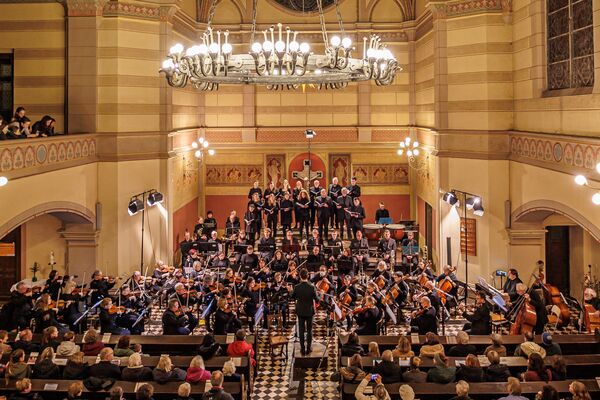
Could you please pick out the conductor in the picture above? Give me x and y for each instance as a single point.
(305, 295)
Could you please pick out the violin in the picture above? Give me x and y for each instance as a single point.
(259, 286)
(115, 309)
(58, 305)
(167, 269)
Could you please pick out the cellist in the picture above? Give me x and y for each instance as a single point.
(536, 301)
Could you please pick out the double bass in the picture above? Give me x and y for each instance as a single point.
(553, 297)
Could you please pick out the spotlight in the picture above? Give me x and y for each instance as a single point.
(598, 167)
(3, 180)
(596, 198)
(309, 133)
(450, 198)
(581, 180)
(471, 201)
(154, 198)
(135, 205)
(478, 209)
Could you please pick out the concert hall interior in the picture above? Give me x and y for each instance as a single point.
(303, 199)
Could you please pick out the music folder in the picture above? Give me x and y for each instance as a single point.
(240, 248)
(332, 250)
(266, 248)
(205, 247)
(290, 248)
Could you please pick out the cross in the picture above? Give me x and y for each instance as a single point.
(303, 174)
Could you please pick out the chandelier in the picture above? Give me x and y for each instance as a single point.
(581, 180)
(279, 60)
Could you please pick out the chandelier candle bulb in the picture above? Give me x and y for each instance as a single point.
(287, 39)
(346, 42)
(279, 25)
(335, 41)
(272, 29)
(364, 48)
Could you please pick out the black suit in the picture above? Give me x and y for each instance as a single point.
(479, 321)
(427, 322)
(105, 369)
(305, 295)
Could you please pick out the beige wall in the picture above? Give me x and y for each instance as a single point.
(42, 237)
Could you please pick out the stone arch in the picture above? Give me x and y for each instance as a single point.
(406, 8)
(538, 210)
(64, 210)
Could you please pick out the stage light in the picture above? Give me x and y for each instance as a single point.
(471, 201)
(478, 209)
(450, 198)
(135, 205)
(309, 133)
(154, 198)
(3, 180)
(581, 180)
(596, 198)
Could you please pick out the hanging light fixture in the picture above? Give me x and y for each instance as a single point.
(412, 149)
(582, 180)
(201, 145)
(279, 59)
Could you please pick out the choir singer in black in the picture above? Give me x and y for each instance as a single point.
(305, 295)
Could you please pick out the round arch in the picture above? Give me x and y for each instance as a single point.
(64, 210)
(538, 210)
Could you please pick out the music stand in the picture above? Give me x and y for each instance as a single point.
(266, 248)
(345, 265)
(385, 221)
(290, 248)
(332, 250)
(208, 247)
(232, 231)
(240, 248)
(313, 266)
(309, 247)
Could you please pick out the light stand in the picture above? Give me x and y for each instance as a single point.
(150, 197)
(310, 134)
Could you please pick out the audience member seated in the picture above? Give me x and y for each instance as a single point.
(91, 343)
(471, 371)
(441, 372)
(547, 393)
(44, 127)
(135, 370)
(5, 348)
(25, 342)
(414, 374)
(216, 392)
(76, 367)
(24, 391)
(229, 374)
(462, 348)
(145, 392)
(241, 348)
(536, 370)
(209, 348)
(354, 372)
(558, 368)
(432, 346)
(116, 393)
(406, 392)
(373, 350)
(462, 391)
(497, 345)
(67, 347)
(183, 392)
(50, 338)
(196, 372)
(496, 372)
(75, 391)
(105, 368)
(352, 346)
(123, 349)
(403, 349)
(164, 371)
(552, 349)
(388, 370)
(579, 391)
(16, 367)
(513, 387)
(528, 347)
(379, 391)
(44, 367)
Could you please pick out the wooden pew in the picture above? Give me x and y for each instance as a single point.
(487, 390)
(578, 366)
(164, 391)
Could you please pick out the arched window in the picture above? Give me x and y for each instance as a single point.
(570, 47)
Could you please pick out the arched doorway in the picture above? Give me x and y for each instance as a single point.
(56, 235)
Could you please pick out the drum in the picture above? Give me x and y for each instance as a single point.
(396, 230)
(372, 231)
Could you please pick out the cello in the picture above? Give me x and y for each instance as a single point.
(525, 319)
(553, 296)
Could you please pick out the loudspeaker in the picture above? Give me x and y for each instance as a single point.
(507, 219)
(98, 216)
(449, 251)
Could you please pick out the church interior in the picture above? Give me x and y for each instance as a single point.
(338, 199)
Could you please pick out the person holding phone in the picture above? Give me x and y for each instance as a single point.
(379, 391)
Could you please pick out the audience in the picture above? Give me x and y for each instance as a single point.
(497, 345)
(164, 371)
(558, 368)
(379, 391)
(535, 369)
(496, 372)
(373, 350)
(406, 392)
(353, 373)
(76, 367)
(414, 374)
(579, 391)
(552, 349)
(135, 370)
(183, 391)
(462, 348)
(20, 126)
(389, 371)
(404, 349)
(123, 349)
(352, 346)
(91, 343)
(513, 387)
(44, 367)
(432, 346)
(25, 342)
(441, 372)
(241, 348)
(462, 391)
(105, 368)
(23, 392)
(471, 371)
(145, 392)
(4, 347)
(229, 373)
(196, 371)
(547, 393)
(16, 367)
(50, 338)
(528, 347)
(116, 393)
(75, 391)
(67, 347)
(216, 392)
(209, 347)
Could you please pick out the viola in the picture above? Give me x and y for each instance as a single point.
(380, 282)
(259, 286)
(115, 309)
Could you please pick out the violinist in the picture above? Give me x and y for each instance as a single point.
(302, 212)
(226, 321)
(249, 260)
(387, 246)
(285, 211)
(132, 305)
(174, 321)
(220, 261)
(263, 274)
(186, 298)
(280, 263)
(267, 240)
(53, 284)
(250, 224)
(360, 249)
(45, 314)
(367, 317)
(108, 318)
(425, 319)
(229, 278)
(315, 259)
(292, 276)
(18, 309)
(357, 215)
(279, 297)
(271, 212)
(252, 298)
(162, 271)
(537, 302)
(510, 286)
(68, 284)
(478, 320)
(137, 283)
(100, 286)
